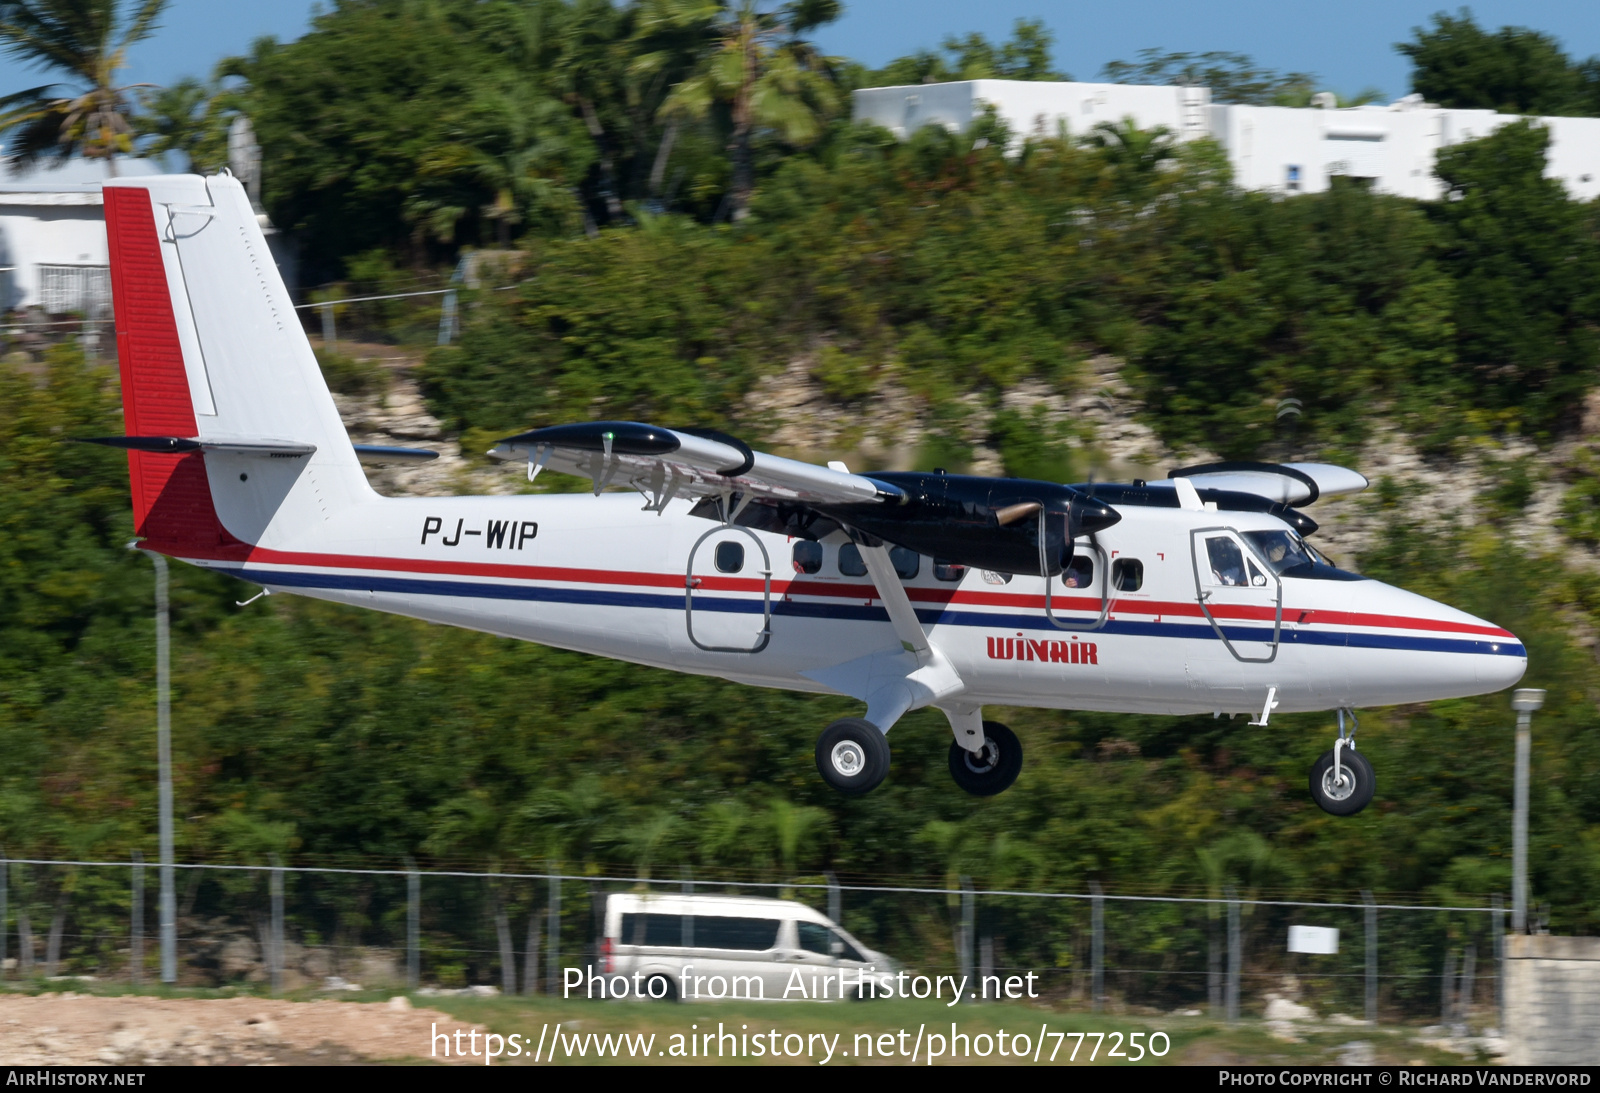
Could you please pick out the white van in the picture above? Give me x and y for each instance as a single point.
(719, 948)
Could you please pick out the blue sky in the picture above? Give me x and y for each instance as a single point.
(1348, 45)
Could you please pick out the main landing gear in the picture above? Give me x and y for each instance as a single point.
(1342, 781)
(853, 757)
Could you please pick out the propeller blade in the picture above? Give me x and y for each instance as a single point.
(1020, 511)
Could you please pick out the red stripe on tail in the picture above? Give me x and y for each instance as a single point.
(172, 504)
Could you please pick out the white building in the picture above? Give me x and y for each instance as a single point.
(53, 250)
(1271, 148)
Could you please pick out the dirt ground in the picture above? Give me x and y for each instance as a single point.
(85, 1030)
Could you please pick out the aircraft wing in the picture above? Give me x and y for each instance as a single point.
(1288, 483)
(665, 463)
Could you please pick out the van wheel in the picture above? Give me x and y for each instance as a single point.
(655, 993)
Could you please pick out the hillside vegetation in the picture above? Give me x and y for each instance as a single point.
(951, 269)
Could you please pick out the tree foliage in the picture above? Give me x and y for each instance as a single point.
(87, 41)
(1515, 70)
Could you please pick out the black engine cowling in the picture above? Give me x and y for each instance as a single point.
(984, 523)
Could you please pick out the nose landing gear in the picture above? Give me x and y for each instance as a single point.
(1342, 781)
(991, 769)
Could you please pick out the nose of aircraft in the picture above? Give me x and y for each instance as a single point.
(1444, 652)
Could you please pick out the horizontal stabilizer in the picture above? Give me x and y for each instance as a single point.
(379, 455)
(1287, 483)
(180, 444)
(666, 463)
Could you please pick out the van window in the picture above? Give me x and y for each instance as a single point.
(653, 930)
(710, 932)
(847, 951)
(815, 938)
(751, 934)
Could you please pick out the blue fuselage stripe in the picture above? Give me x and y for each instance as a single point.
(421, 586)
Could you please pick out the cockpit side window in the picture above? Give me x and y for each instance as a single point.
(1284, 551)
(1226, 559)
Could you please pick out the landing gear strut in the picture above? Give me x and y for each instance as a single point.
(993, 768)
(853, 756)
(1342, 781)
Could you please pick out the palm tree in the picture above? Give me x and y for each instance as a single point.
(88, 39)
(757, 63)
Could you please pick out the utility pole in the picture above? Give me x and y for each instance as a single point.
(1524, 700)
(169, 899)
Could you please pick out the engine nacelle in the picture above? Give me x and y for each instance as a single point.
(983, 523)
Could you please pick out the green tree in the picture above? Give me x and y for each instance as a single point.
(759, 65)
(972, 56)
(1526, 264)
(88, 40)
(1232, 77)
(1514, 70)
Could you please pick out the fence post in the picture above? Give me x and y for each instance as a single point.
(530, 955)
(275, 889)
(136, 930)
(686, 927)
(553, 944)
(1372, 957)
(1447, 986)
(1097, 947)
(969, 923)
(1235, 957)
(835, 902)
(1469, 966)
(413, 925)
(169, 896)
(329, 333)
(5, 907)
(1499, 919)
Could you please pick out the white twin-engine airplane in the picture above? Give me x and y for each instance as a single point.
(1197, 594)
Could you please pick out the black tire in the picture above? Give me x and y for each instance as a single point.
(853, 756)
(671, 994)
(1354, 795)
(994, 769)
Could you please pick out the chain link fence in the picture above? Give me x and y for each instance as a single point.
(295, 929)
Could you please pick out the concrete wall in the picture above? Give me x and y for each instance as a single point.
(1552, 999)
(70, 232)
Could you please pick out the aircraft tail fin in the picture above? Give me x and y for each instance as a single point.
(215, 362)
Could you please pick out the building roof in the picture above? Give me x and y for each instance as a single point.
(76, 181)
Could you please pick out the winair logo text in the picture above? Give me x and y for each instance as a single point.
(496, 535)
(1071, 651)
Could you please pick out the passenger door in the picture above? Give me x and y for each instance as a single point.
(1240, 596)
(727, 601)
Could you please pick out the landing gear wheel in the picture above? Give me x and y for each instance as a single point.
(1349, 793)
(853, 756)
(992, 769)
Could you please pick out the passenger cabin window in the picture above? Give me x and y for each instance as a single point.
(948, 571)
(850, 563)
(1079, 573)
(807, 556)
(907, 563)
(730, 557)
(1127, 574)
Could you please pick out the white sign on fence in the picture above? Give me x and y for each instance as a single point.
(1313, 939)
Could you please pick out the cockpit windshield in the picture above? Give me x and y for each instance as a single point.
(1284, 551)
